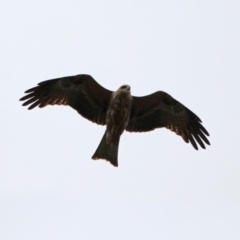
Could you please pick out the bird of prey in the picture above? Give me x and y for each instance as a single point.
(118, 110)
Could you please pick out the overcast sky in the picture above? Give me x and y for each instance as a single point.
(163, 189)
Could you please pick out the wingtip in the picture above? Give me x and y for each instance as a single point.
(196, 148)
(208, 143)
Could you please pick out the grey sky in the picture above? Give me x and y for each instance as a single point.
(163, 189)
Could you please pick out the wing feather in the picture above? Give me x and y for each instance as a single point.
(80, 92)
(161, 110)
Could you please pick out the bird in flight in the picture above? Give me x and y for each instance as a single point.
(118, 110)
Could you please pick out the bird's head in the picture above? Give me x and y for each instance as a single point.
(125, 87)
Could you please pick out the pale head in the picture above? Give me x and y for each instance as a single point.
(125, 87)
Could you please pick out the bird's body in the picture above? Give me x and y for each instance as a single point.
(117, 118)
(118, 113)
(118, 110)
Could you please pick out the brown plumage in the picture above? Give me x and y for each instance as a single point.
(117, 118)
(118, 110)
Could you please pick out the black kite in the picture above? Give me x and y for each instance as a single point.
(118, 110)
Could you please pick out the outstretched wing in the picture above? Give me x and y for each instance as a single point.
(161, 110)
(81, 92)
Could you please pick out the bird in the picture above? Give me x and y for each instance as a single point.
(118, 110)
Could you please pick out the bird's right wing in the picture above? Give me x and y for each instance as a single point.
(81, 92)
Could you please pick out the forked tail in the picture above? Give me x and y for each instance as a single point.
(107, 152)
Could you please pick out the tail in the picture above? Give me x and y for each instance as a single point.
(107, 152)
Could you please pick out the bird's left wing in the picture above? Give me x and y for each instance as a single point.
(161, 110)
(81, 92)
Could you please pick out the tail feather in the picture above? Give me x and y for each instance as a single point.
(107, 152)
